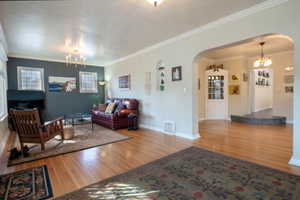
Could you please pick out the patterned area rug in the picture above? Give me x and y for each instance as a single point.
(29, 184)
(195, 173)
(84, 138)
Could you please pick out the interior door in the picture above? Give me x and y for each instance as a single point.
(217, 94)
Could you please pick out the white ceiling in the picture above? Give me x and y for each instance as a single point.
(250, 48)
(105, 29)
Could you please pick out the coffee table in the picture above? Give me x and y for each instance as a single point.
(79, 119)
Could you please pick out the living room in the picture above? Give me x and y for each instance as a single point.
(100, 101)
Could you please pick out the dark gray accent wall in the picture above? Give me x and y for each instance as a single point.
(58, 103)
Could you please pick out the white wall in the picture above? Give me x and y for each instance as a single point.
(176, 105)
(3, 76)
(4, 132)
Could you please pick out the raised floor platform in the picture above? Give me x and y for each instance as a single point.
(264, 117)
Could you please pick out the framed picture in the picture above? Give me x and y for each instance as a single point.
(177, 73)
(62, 84)
(234, 90)
(289, 89)
(259, 73)
(245, 77)
(235, 77)
(124, 82)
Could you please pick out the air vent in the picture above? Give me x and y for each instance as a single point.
(169, 127)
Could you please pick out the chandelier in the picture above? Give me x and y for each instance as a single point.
(155, 2)
(263, 61)
(75, 58)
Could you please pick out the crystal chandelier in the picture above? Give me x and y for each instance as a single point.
(263, 61)
(155, 2)
(75, 58)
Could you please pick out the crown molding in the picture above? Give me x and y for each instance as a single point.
(12, 55)
(233, 17)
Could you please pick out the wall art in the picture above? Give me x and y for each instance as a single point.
(62, 84)
(177, 73)
(124, 82)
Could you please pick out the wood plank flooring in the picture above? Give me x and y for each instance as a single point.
(266, 145)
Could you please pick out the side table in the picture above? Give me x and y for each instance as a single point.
(132, 122)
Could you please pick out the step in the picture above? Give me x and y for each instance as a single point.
(274, 120)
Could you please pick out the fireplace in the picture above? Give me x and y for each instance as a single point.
(22, 100)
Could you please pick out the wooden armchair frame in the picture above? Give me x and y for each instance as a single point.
(30, 130)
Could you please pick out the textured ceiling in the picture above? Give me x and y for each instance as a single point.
(105, 30)
(274, 44)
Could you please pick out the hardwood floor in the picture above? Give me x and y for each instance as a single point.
(266, 145)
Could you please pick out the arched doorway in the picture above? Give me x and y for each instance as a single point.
(241, 101)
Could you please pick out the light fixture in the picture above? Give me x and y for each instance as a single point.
(155, 2)
(102, 83)
(263, 61)
(289, 68)
(75, 58)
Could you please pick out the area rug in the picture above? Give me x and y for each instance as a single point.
(29, 184)
(84, 138)
(195, 173)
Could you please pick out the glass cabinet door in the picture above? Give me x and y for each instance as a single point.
(215, 87)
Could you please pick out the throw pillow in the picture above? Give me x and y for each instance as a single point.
(119, 107)
(102, 107)
(110, 108)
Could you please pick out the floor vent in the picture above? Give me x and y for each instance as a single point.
(169, 127)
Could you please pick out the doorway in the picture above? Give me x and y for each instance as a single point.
(249, 90)
(216, 96)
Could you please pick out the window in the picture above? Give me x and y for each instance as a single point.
(88, 82)
(30, 78)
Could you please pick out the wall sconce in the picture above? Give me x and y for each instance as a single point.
(102, 83)
(289, 68)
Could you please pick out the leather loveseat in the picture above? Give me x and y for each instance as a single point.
(119, 118)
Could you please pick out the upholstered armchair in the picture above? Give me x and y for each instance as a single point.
(30, 130)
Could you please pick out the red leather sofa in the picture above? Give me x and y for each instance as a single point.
(119, 119)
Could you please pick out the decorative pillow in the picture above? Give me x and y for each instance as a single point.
(102, 107)
(110, 108)
(119, 107)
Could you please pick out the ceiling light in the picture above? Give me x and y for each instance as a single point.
(75, 58)
(289, 68)
(263, 61)
(155, 2)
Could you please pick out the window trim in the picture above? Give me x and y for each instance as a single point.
(80, 82)
(19, 68)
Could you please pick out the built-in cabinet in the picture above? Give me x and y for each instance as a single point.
(216, 94)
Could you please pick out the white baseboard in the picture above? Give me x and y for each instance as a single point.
(294, 161)
(178, 134)
(290, 122)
